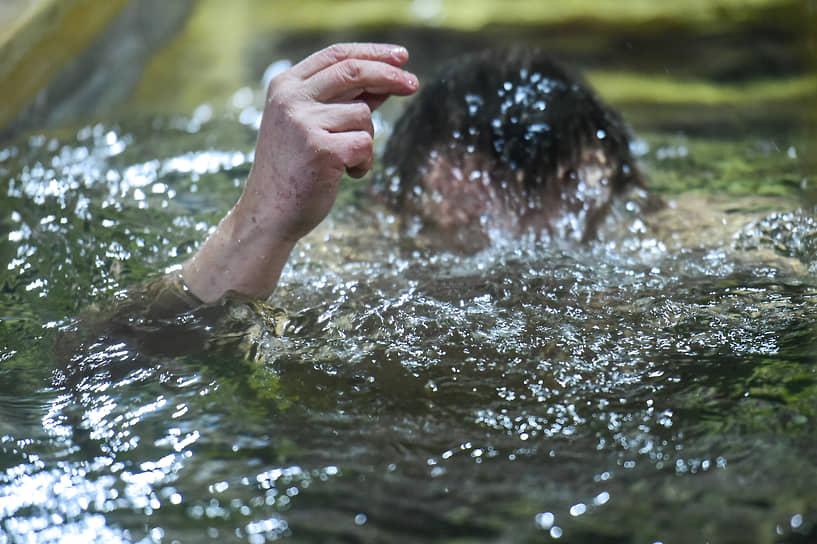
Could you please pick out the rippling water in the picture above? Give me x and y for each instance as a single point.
(659, 384)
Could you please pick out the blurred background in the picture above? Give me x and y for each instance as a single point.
(71, 61)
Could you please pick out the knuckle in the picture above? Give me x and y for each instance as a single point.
(392, 74)
(292, 117)
(362, 114)
(279, 81)
(337, 52)
(278, 89)
(350, 70)
(273, 87)
(373, 50)
(365, 144)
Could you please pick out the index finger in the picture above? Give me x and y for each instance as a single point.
(349, 79)
(396, 55)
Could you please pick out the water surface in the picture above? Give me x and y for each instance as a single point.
(659, 384)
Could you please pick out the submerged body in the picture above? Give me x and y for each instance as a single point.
(506, 140)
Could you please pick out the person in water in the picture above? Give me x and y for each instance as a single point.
(505, 140)
(501, 140)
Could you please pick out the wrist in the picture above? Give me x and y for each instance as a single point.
(239, 256)
(265, 211)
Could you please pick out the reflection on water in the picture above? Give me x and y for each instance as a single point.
(661, 376)
(657, 385)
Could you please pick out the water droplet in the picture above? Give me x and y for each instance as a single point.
(474, 102)
(538, 128)
(545, 520)
(601, 498)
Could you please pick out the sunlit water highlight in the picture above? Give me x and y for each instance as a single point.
(658, 384)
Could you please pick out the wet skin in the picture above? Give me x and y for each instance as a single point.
(506, 139)
(316, 125)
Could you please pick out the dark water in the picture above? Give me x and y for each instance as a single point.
(657, 385)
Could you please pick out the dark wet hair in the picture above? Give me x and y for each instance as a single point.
(507, 138)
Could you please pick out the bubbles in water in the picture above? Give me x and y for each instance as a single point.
(474, 102)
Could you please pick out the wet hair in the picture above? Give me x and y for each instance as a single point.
(508, 140)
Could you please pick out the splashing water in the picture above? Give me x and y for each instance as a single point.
(656, 384)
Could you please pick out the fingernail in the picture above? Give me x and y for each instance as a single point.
(399, 52)
(412, 81)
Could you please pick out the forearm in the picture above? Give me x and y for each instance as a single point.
(316, 126)
(238, 256)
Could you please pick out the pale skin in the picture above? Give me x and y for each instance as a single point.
(316, 125)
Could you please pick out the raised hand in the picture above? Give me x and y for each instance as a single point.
(316, 125)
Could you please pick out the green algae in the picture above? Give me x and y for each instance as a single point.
(469, 14)
(220, 66)
(765, 167)
(644, 89)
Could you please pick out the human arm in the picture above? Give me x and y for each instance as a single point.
(316, 125)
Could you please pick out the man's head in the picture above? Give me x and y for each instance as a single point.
(507, 140)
